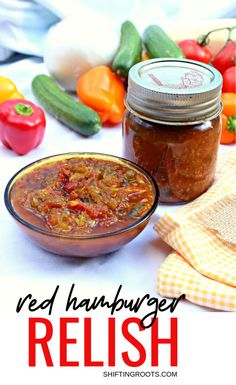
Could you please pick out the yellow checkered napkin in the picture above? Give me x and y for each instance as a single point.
(203, 236)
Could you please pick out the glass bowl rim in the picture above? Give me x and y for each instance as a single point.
(29, 225)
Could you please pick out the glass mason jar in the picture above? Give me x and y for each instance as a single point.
(172, 124)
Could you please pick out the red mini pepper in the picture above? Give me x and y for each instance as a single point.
(22, 125)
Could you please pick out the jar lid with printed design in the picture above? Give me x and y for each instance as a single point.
(174, 91)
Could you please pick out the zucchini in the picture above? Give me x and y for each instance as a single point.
(63, 107)
(159, 45)
(129, 51)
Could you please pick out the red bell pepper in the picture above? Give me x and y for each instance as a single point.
(22, 125)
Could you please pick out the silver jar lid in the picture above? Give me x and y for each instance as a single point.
(174, 91)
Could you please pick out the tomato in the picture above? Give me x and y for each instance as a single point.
(226, 58)
(229, 80)
(194, 51)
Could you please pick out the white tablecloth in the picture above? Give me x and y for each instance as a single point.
(24, 266)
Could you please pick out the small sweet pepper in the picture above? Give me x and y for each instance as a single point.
(22, 125)
(103, 91)
(8, 90)
(228, 116)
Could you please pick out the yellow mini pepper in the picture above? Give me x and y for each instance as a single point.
(8, 90)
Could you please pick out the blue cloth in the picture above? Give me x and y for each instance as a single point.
(23, 27)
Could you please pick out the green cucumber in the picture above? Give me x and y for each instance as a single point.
(63, 107)
(159, 45)
(129, 51)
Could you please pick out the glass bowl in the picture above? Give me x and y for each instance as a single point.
(90, 245)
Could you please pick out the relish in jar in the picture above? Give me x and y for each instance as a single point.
(172, 124)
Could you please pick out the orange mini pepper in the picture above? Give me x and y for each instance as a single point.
(103, 91)
(228, 116)
(8, 90)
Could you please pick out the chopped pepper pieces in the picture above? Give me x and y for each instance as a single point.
(108, 197)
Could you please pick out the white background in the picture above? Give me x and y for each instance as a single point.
(207, 339)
